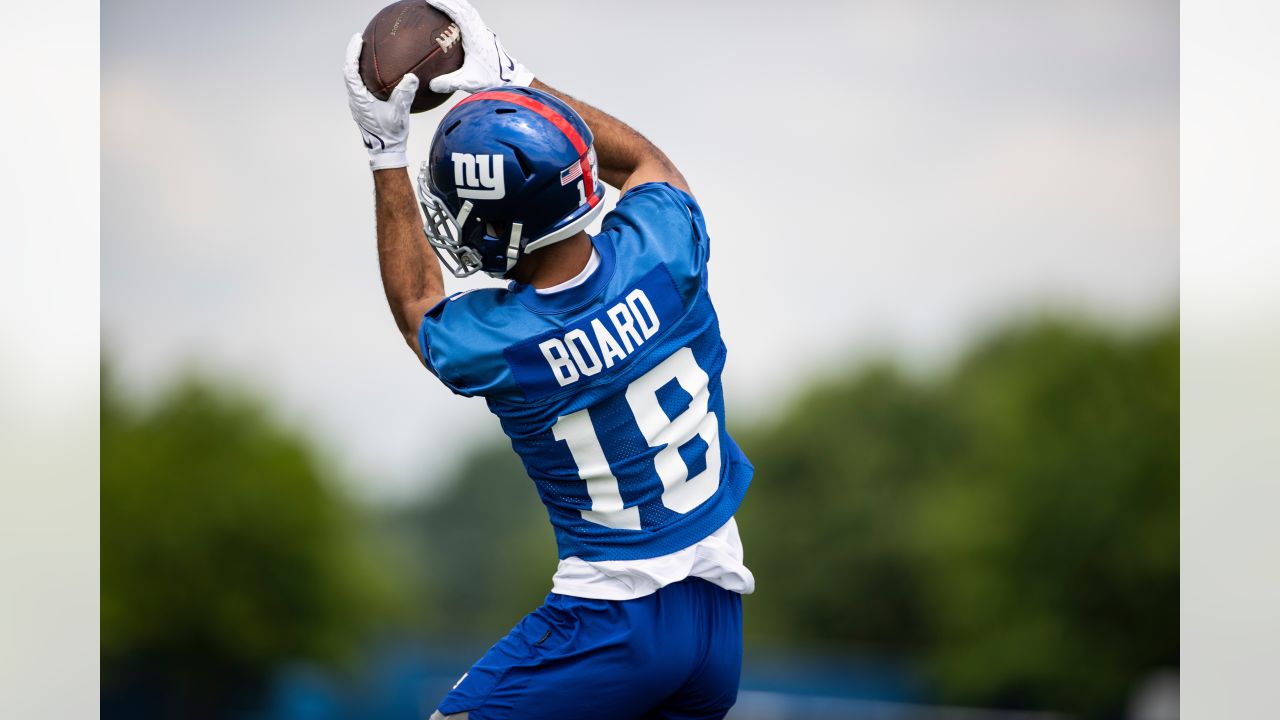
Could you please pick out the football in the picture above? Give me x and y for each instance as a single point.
(410, 36)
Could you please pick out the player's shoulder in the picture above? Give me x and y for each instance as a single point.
(657, 203)
(469, 301)
(462, 337)
(479, 318)
(660, 222)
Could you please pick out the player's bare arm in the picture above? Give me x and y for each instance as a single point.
(411, 277)
(626, 157)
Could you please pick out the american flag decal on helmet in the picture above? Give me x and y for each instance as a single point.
(571, 173)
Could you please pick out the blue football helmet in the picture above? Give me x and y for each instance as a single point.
(511, 170)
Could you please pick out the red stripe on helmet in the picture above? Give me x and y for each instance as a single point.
(566, 127)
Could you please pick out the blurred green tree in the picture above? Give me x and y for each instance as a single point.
(1014, 524)
(483, 549)
(225, 550)
(827, 521)
(1049, 549)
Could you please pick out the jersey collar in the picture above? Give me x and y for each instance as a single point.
(574, 297)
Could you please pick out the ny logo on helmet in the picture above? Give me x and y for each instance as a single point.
(478, 176)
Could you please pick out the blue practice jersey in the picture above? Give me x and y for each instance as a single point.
(610, 390)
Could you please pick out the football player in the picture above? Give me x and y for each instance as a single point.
(601, 358)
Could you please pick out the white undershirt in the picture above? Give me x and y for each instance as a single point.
(716, 558)
(576, 280)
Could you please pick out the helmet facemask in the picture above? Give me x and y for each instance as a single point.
(445, 235)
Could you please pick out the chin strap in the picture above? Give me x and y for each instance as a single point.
(513, 246)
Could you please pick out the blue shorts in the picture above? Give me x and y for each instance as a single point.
(675, 654)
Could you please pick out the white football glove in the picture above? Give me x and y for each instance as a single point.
(384, 124)
(486, 63)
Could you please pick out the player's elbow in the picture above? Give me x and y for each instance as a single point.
(411, 339)
(408, 317)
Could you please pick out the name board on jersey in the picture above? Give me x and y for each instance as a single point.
(599, 342)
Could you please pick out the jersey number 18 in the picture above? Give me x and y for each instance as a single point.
(681, 493)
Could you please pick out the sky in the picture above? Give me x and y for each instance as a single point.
(878, 177)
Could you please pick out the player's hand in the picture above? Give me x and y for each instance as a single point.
(384, 124)
(486, 63)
